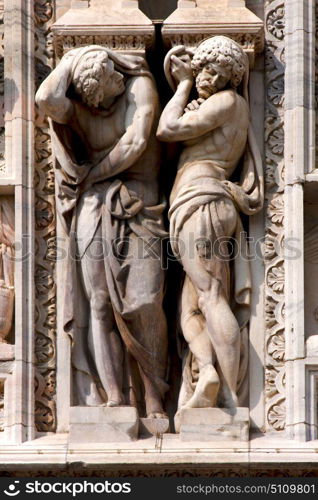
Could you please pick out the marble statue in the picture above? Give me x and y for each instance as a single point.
(6, 266)
(205, 204)
(103, 110)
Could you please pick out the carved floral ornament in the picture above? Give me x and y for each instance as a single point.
(43, 10)
(64, 43)
(45, 235)
(274, 227)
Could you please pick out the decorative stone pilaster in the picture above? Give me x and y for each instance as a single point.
(114, 24)
(16, 179)
(193, 21)
(300, 161)
(275, 408)
(45, 235)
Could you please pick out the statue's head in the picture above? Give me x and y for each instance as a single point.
(95, 78)
(218, 62)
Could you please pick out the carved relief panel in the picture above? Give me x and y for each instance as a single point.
(45, 210)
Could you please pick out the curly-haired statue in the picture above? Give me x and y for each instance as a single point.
(103, 110)
(222, 52)
(217, 140)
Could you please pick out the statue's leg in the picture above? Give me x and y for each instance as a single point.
(153, 399)
(195, 332)
(153, 333)
(146, 321)
(103, 338)
(208, 275)
(224, 332)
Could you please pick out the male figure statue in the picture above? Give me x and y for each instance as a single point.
(103, 109)
(215, 131)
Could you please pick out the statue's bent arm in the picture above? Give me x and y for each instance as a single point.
(141, 105)
(51, 96)
(176, 125)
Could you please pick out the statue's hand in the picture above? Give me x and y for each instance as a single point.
(194, 105)
(181, 68)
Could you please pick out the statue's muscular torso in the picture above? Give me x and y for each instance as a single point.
(214, 154)
(100, 130)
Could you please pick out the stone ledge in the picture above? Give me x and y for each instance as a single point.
(55, 451)
(214, 424)
(102, 424)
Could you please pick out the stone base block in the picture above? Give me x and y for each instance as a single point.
(103, 425)
(6, 351)
(153, 426)
(184, 4)
(214, 424)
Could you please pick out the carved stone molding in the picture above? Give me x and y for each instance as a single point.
(64, 43)
(252, 44)
(189, 26)
(225, 470)
(45, 234)
(117, 25)
(274, 233)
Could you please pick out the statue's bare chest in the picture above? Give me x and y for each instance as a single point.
(101, 130)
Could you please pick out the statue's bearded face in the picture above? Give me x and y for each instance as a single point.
(211, 79)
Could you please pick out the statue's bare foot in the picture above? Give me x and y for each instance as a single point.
(206, 390)
(154, 408)
(114, 400)
(113, 403)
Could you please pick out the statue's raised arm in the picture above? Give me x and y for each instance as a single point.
(51, 97)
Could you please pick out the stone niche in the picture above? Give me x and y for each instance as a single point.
(172, 408)
(123, 29)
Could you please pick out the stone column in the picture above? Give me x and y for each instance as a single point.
(299, 160)
(17, 179)
(193, 21)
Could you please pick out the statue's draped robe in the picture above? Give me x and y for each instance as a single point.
(135, 282)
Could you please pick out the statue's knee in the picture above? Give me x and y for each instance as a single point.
(204, 248)
(99, 305)
(232, 336)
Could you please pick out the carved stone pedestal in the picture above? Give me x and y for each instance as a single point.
(153, 426)
(103, 425)
(213, 424)
(6, 352)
